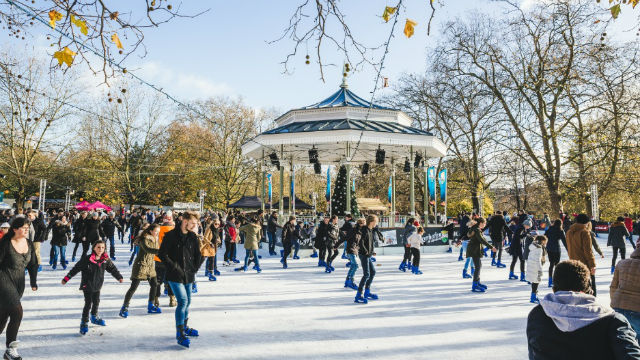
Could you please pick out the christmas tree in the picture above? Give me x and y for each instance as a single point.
(339, 197)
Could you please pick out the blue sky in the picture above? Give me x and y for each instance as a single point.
(226, 51)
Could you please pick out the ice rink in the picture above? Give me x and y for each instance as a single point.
(298, 313)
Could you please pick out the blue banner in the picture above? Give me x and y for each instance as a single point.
(270, 190)
(431, 182)
(353, 186)
(293, 187)
(328, 193)
(442, 181)
(390, 190)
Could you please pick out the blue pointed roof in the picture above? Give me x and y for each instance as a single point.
(344, 97)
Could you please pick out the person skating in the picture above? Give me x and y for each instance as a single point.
(474, 251)
(332, 241)
(352, 253)
(415, 241)
(17, 253)
(180, 253)
(617, 234)
(497, 230)
(409, 229)
(253, 234)
(554, 235)
(92, 267)
(571, 324)
(298, 238)
(464, 230)
(321, 239)
(144, 269)
(109, 226)
(464, 245)
(61, 234)
(515, 248)
(272, 229)
(212, 235)
(161, 270)
(230, 238)
(579, 245)
(288, 236)
(365, 240)
(346, 230)
(535, 259)
(78, 231)
(449, 229)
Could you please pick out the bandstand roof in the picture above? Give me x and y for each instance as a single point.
(340, 122)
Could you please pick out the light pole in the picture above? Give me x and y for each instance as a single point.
(201, 195)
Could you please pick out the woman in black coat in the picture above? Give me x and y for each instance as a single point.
(78, 233)
(366, 241)
(554, 235)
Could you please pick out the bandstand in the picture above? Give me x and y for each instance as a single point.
(344, 129)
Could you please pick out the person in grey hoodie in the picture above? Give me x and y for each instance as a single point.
(571, 324)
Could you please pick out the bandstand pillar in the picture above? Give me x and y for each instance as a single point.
(347, 208)
(281, 203)
(292, 196)
(392, 221)
(412, 192)
(264, 180)
(426, 192)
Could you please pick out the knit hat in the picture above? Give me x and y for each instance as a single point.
(5, 225)
(527, 223)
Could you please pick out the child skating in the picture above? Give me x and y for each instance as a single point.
(535, 259)
(92, 267)
(415, 240)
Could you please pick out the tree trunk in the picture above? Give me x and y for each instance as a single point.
(556, 198)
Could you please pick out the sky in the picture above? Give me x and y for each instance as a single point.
(226, 51)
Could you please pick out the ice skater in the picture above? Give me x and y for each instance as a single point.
(332, 242)
(365, 239)
(465, 275)
(253, 234)
(515, 248)
(288, 236)
(409, 229)
(144, 269)
(92, 267)
(17, 253)
(415, 241)
(352, 252)
(536, 257)
(474, 250)
(180, 253)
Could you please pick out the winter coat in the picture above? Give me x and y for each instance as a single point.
(230, 232)
(289, 234)
(135, 223)
(464, 228)
(109, 226)
(253, 234)
(415, 240)
(93, 230)
(333, 235)
(78, 229)
(519, 238)
(61, 234)
(569, 325)
(409, 229)
(93, 271)
(579, 245)
(476, 242)
(180, 253)
(163, 230)
(555, 235)
(617, 234)
(625, 286)
(212, 236)
(628, 223)
(40, 230)
(144, 267)
(272, 224)
(365, 239)
(537, 255)
(347, 230)
(321, 235)
(497, 227)
(352, 241)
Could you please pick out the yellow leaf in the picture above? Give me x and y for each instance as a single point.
(64, 56)
(634, 3)
(409, 28)
(53, 17)
(388, 11)
(615, 11)
(116, 40)
(79, 23)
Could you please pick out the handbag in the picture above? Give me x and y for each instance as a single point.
(206, 249)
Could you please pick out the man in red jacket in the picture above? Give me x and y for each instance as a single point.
(628, 223)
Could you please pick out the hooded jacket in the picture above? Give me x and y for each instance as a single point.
(579, 245)
(93, 269)
(180, 253)
(570, 325)
(625, 286)
(555, 235)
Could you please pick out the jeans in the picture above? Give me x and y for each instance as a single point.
(271, 236)
(255, 257)
(161, 271)
(228, 250)
(182, 293)
(368, 272)
(134, 253)
(593, 284)
(62, 250)
(634, 319)
(466, 264)
(112, 246)
(296, 247)
(332, 253)
(354, 266)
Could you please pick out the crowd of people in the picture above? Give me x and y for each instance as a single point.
(168, 249)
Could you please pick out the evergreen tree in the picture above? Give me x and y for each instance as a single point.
(339, 196)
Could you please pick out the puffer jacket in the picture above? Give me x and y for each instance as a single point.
(617, 234)
(476, 242)
(61, 234)
(144, 266)
(535, 261)
(93, 269)
(579, 245)
(625, 286)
